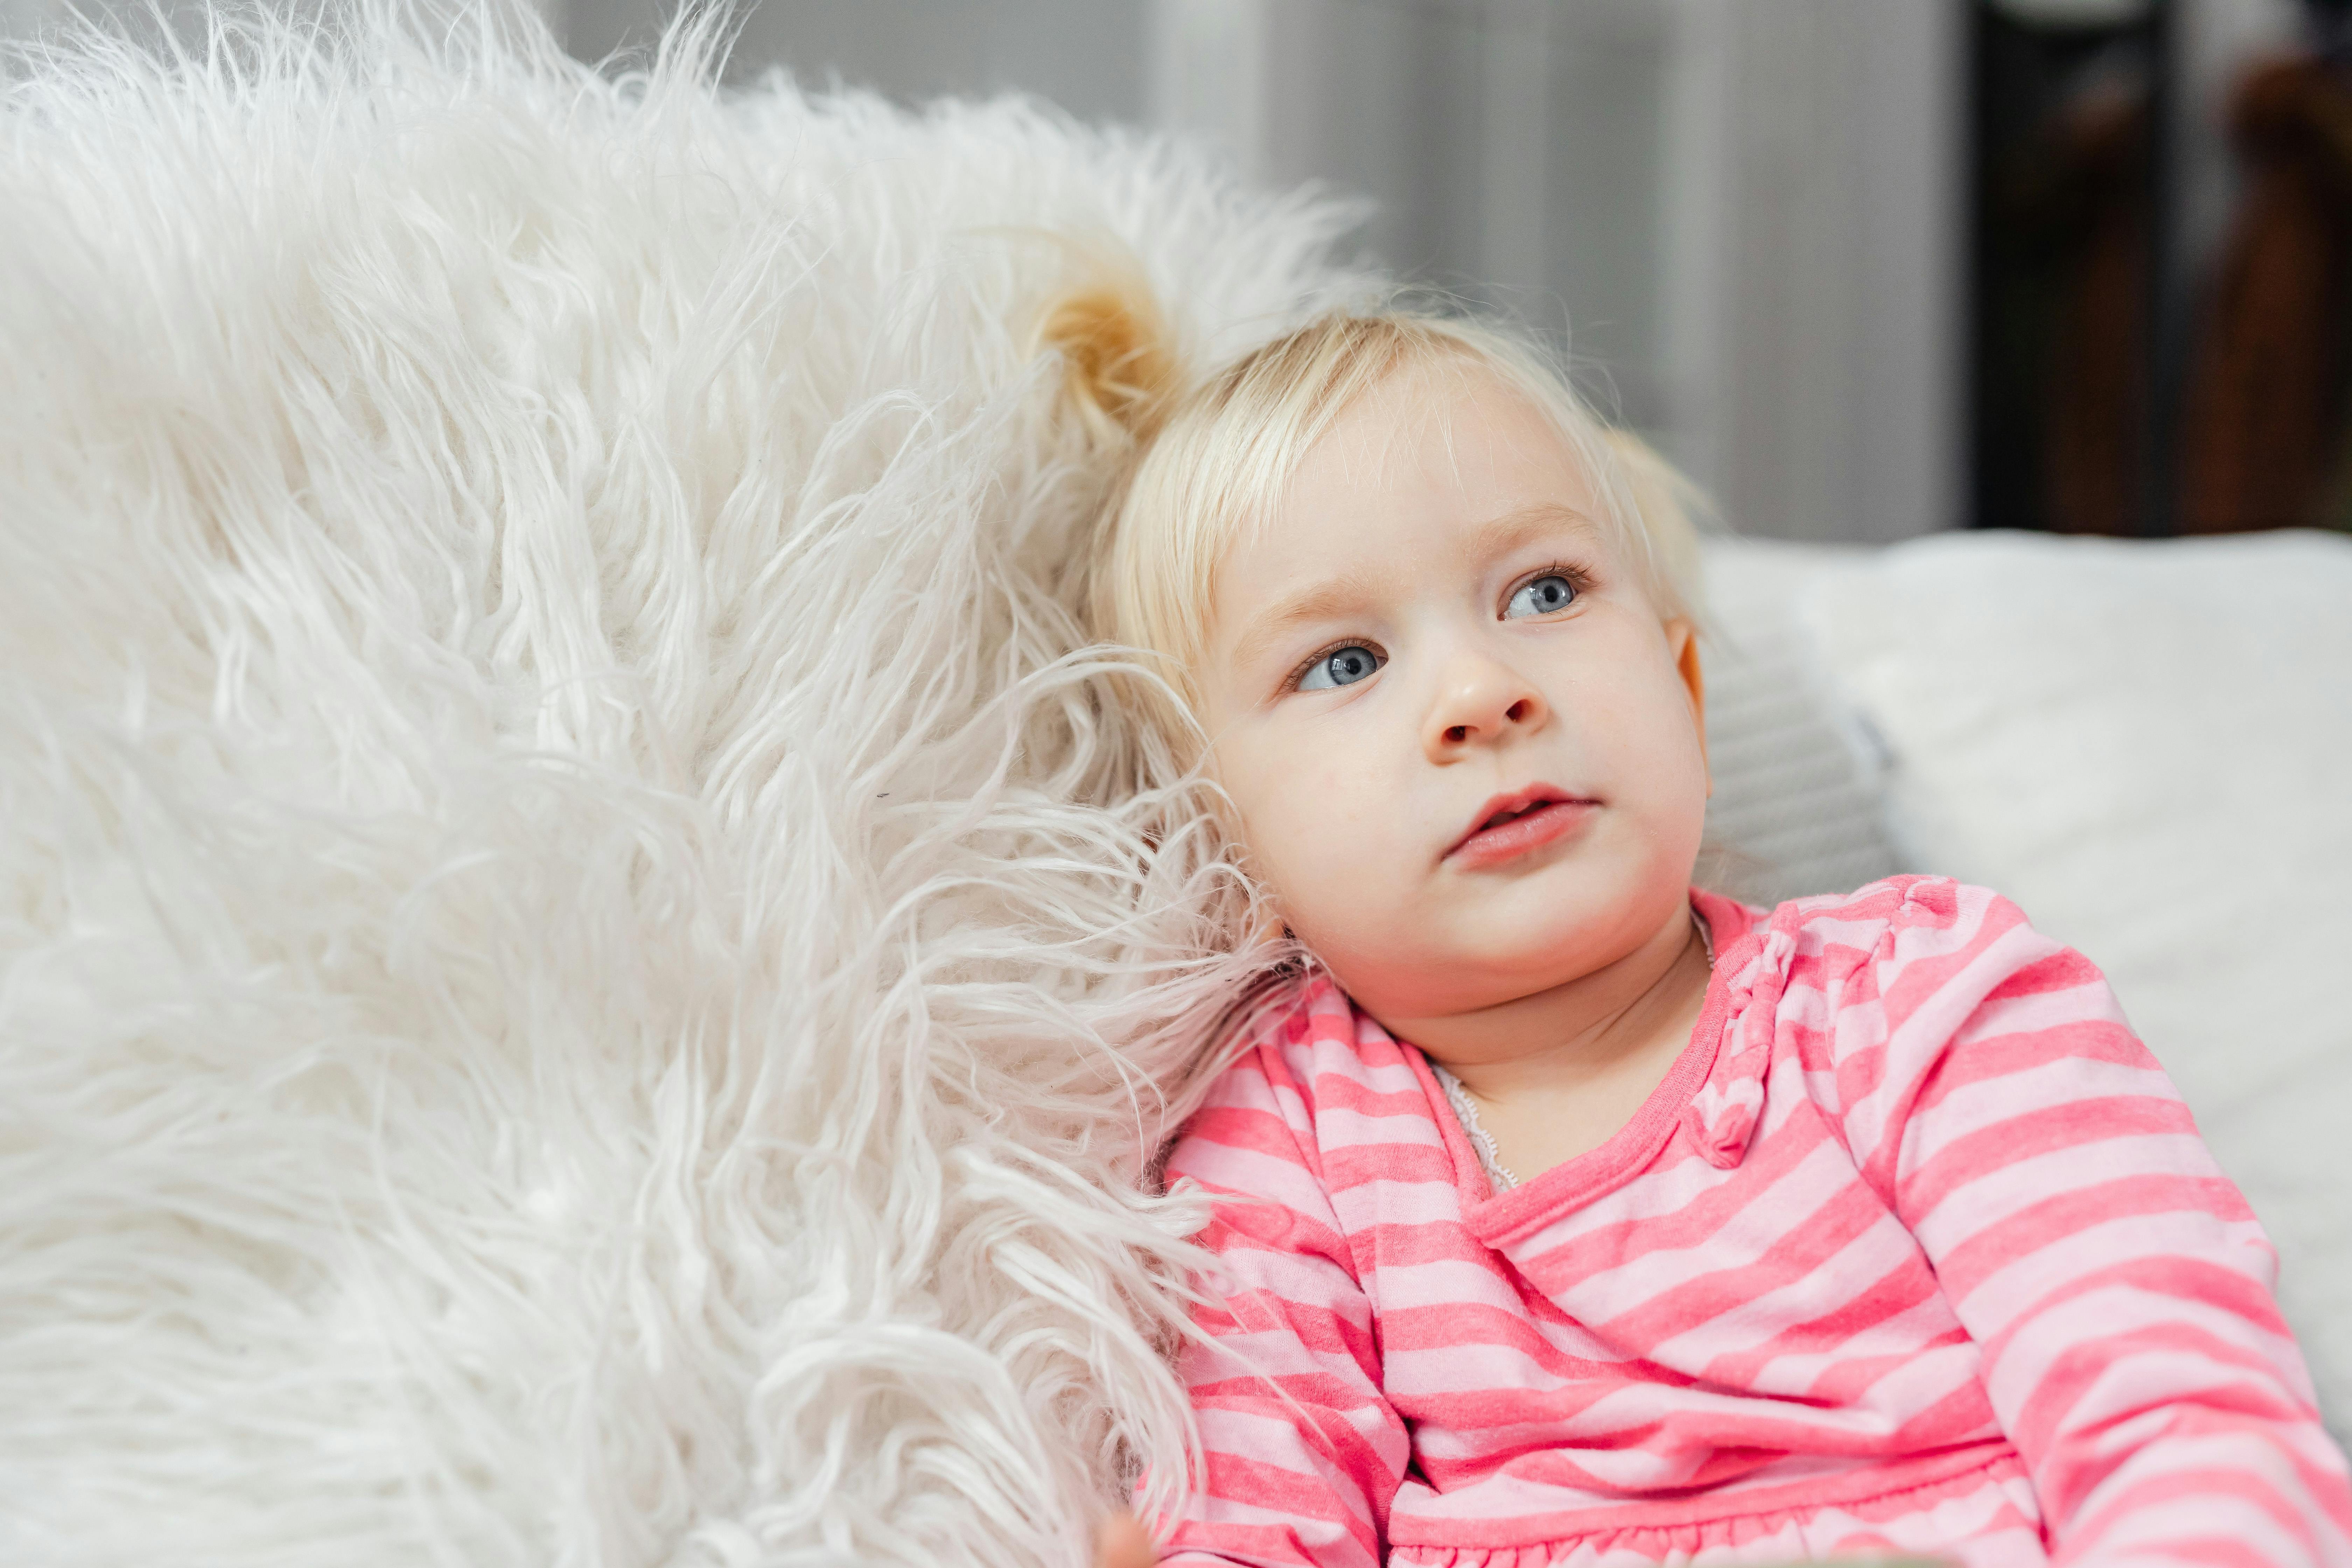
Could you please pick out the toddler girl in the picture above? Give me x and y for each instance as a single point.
(1571, 1214)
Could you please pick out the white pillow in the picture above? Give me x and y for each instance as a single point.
(1796, 808)
(2147, 746)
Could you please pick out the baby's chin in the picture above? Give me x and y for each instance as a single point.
(1456, 956)
(1441, 978)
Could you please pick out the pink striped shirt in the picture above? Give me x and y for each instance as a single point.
(1915, 1249)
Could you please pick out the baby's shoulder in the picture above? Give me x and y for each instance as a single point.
(1908, 949)
(1307, 1078)
(1301, 1041)
(1302, 1052)
(1897, 920)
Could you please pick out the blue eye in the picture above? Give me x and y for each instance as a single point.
(1540, 597)
(1340, 667)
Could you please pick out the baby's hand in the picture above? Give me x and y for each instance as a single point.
(1123, 1542)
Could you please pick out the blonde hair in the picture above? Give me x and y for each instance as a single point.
(1206, 462)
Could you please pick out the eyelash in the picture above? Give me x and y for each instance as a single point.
(1577, 578)
(1290, 682)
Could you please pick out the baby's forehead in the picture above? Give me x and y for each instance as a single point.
(1436, 466)
(1450, 415)
(1453, 442)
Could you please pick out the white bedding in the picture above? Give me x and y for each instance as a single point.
(2149, 747)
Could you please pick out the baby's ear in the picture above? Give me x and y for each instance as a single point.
(1682, 639)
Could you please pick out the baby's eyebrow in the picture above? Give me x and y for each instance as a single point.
(1332, 600)
(1516, 527)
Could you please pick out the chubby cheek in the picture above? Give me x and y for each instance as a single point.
(1323, 846)
(1655, 775)
(1658, 766)
(1655, 875)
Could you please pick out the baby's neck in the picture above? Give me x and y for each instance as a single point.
(1558, 1072)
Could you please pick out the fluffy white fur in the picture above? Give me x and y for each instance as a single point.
(578, 982)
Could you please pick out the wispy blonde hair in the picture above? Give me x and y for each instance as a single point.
(1207, 459)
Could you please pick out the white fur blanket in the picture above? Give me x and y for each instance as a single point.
(566, 994)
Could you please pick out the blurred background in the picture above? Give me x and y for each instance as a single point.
(1866, 269)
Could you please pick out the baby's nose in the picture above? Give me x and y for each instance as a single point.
(1483, 702)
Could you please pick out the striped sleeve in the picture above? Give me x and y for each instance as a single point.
(1303, 1455)
(2116, 1283)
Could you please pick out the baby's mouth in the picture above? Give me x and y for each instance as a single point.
(1511, 825)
